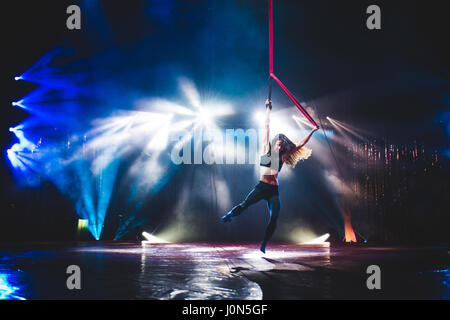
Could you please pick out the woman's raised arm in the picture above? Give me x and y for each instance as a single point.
(302, 143)
(306, 139)
(267, 127)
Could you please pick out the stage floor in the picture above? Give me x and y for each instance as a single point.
(119, 270)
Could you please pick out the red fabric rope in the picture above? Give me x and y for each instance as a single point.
(272, 75)
(270, 36)
(294, 100)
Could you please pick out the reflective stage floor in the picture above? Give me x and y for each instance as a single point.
(119, 270)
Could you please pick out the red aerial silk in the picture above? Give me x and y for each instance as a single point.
(271, 36)
(272, 75)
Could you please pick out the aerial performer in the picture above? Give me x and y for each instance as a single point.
(274, 154)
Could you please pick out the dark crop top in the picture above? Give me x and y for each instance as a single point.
(266, 160)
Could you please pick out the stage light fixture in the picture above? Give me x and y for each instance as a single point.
(82, 224)
(152, 239)
(319, 240)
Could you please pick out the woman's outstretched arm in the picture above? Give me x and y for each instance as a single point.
(306, 139)
(302, 143)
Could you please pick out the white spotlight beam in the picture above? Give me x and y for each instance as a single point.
(303, 121)
(319, 240)
(152, 239)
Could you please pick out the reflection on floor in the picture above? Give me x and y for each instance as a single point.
(118, 270)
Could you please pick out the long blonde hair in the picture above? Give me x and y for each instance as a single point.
(301, 154)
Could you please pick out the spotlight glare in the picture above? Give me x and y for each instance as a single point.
(320, 240)
(18, 78)
(302, 122)
(82, 225)
(205, 117)
(152, 239)
(19, 104)
(259, 117)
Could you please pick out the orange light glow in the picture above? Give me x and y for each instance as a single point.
(349, 233)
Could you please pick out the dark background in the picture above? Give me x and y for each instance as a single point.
(391, 82)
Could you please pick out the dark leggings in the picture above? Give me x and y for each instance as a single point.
(260, 192)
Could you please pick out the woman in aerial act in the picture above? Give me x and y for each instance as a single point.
(275, 154)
